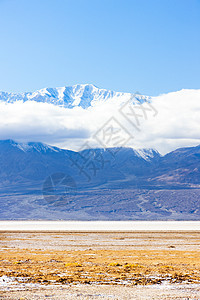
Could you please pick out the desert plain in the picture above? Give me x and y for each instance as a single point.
(100, 265)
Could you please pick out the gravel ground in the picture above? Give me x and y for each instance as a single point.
(71, 292)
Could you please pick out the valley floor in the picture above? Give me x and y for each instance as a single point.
(106, 292)
(91, 265)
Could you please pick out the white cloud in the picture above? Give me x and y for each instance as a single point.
(175, 125)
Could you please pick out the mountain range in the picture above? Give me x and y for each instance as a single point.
(38, 181)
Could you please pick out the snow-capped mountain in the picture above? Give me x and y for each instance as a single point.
(82, 95)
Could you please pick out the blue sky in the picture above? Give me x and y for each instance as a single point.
(148, 46)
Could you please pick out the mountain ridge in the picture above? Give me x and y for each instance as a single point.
(123, 187)
(147, 164)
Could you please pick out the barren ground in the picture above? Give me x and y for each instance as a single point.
(118, 265)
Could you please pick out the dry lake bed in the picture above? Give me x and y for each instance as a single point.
(100, 265)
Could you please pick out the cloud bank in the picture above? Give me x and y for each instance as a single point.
(176, 123)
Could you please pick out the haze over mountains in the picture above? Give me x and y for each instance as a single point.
(38, 181)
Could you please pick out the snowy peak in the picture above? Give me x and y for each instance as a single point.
(29, 147)
(38, 147)
(147, 154)
(81, 95)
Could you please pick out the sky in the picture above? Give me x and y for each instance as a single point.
(150, 46)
